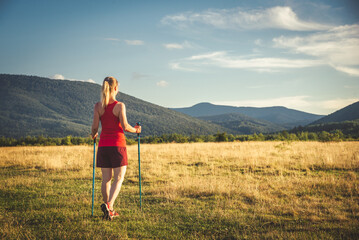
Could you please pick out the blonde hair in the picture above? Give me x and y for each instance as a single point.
(108, 87)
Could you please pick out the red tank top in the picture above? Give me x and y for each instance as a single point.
(112, 133)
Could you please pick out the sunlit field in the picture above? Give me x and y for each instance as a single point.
(285, 190)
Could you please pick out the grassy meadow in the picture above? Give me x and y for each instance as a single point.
(238, 190)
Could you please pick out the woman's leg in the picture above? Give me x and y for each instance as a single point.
(106, 183)
(119, 175)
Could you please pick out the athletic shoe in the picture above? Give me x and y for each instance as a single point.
(113, 213)
(106, 211)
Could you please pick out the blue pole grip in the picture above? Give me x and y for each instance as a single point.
(138, 124)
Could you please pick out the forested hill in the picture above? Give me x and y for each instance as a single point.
(349, 113)
(33, 106)
(243, 124)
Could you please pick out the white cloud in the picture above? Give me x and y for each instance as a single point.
(128, 42)
(138, 76)
(277, 17)
(183, 45)
(338, 103)
(134, 42)
(58, 77)
(162, 83)
(177, 66)
(173, 46)
(112, 39)
(348, 70)
(334, 46)
(222, 59)
(338, 47)
(61, 77)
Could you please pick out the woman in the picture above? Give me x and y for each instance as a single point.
(111, 154)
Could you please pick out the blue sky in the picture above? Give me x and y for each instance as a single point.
(298, 54)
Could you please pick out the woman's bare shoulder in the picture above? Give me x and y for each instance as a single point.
(118, 108)
(120, 104)
(98, 106)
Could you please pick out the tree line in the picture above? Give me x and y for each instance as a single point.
(322, 136)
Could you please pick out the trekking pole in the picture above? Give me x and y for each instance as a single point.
(139, 165)
(93, 174)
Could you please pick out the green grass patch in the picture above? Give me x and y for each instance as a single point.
(49, 204)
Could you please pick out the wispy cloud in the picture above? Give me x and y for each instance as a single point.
(112, 39)
(138, 76)
(337, 47)
(222, 59)
(128, 42)
(162, 83)
(183, 45)
(61, 77)
(338, 103)
(178, 66)
(134, 42)
(173, 46)
(350, 71)
(280, 17)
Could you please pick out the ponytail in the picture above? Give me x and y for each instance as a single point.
(108, 86)
(105, 94)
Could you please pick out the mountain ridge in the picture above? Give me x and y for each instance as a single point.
(32, 105)
(348, 113)
(286, 117)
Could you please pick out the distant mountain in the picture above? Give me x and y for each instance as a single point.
(346, 120)
(34, 106)
(348, 113)
(349, 128)
(287, 118)
(242, 124)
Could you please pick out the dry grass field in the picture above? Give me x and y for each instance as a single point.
(234, 190)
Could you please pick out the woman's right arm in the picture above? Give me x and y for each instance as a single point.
(123, 119)
(95, 122)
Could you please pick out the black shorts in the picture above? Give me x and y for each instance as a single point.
(111, 157)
